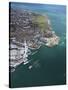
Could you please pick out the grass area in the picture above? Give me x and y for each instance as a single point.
(41, 21)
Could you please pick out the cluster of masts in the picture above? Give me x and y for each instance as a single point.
(19, 54)
(25, 60)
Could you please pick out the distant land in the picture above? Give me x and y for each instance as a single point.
(29, 30)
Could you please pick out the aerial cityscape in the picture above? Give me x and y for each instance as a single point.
(32, 38)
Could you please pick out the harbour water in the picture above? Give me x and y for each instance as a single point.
(48, 65)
